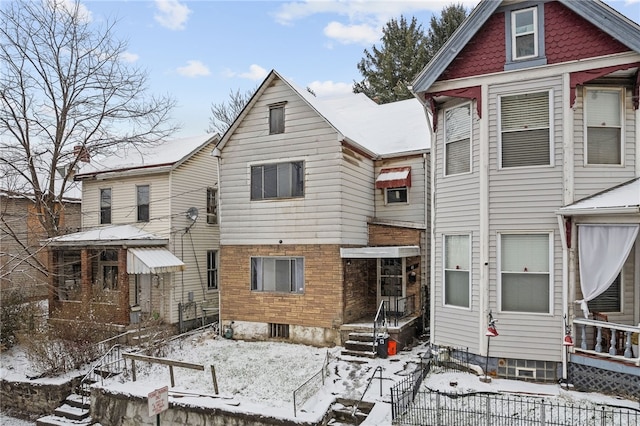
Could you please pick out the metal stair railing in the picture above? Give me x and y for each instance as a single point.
(357, 404)
(110, 364)
(380, 321)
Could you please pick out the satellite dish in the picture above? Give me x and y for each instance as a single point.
(192, 213)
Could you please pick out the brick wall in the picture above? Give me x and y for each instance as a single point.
(321, 304)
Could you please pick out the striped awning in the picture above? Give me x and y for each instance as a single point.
(152, 260)
(395, 177)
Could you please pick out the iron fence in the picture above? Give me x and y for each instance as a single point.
(431, 408)
(413, 404)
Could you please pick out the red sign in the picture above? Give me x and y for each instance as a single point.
(158, 401)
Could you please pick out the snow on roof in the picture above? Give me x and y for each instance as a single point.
(103, 235)
(135, 156)
(621, 198)
(385, 129)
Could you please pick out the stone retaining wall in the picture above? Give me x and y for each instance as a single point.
(115, 409)
(34, 398)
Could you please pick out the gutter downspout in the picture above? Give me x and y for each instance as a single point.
(565, 285)
(217, 154)
(484, 249)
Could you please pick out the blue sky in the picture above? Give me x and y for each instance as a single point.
(200, 51)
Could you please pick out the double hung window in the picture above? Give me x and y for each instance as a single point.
(457, 270)
(105, 206)
(525, 275)
(525, 130)
(142, 197)
(603, 118)
(524, 37)
(457, 125)
(212, 206)
(212, 270)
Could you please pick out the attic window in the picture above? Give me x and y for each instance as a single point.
(524, 33)
(276, 118)
(395, 177)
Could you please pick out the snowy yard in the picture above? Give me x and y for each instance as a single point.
(260, 377)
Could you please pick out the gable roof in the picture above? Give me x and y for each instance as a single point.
(596, 12)
(379, 130)
(624, 198)
(168, 154)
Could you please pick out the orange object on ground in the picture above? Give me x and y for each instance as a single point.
(391, 349)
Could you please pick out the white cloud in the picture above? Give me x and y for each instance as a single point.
(328, 88)
(172, 14)
(70, 6)
(129, 57)
(363, 18)
(194, 69)
(348, 34)
(256, 72)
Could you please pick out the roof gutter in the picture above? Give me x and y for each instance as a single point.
(598, 211)
(137, 171)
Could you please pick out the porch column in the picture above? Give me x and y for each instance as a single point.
(123, 288)
(52, 261)
(85, 276)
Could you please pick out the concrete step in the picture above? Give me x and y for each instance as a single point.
(54, 420)
(72, 413)
(78, 401)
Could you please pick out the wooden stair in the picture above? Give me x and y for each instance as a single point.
(360, 344)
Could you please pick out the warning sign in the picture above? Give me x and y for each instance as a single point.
(158, 401)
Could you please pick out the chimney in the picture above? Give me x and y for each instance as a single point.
(82, 153)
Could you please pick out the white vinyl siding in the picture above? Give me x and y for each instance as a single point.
(524, 33)
(603, 110)
(525, 275)
(457, 125)
(338, 183)
(525, 130)
(457, 265)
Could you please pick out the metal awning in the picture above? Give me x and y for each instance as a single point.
(395, 177)
(152, 260)
(379, 252)
(621, 199)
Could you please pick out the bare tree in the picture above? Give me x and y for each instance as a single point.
(224, 114)
(66, 92)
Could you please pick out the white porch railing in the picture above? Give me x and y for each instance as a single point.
(591, 341)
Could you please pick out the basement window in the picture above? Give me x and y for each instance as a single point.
(280, 331)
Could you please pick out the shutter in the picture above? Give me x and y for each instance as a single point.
(609, 300)
(528, 111)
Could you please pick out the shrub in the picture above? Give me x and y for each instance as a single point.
(17, 315)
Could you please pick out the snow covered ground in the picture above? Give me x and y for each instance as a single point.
(261, 377)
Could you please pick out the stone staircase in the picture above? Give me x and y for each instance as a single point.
(74, 411)
(359, 344)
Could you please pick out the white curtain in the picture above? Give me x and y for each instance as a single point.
(603, 250)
